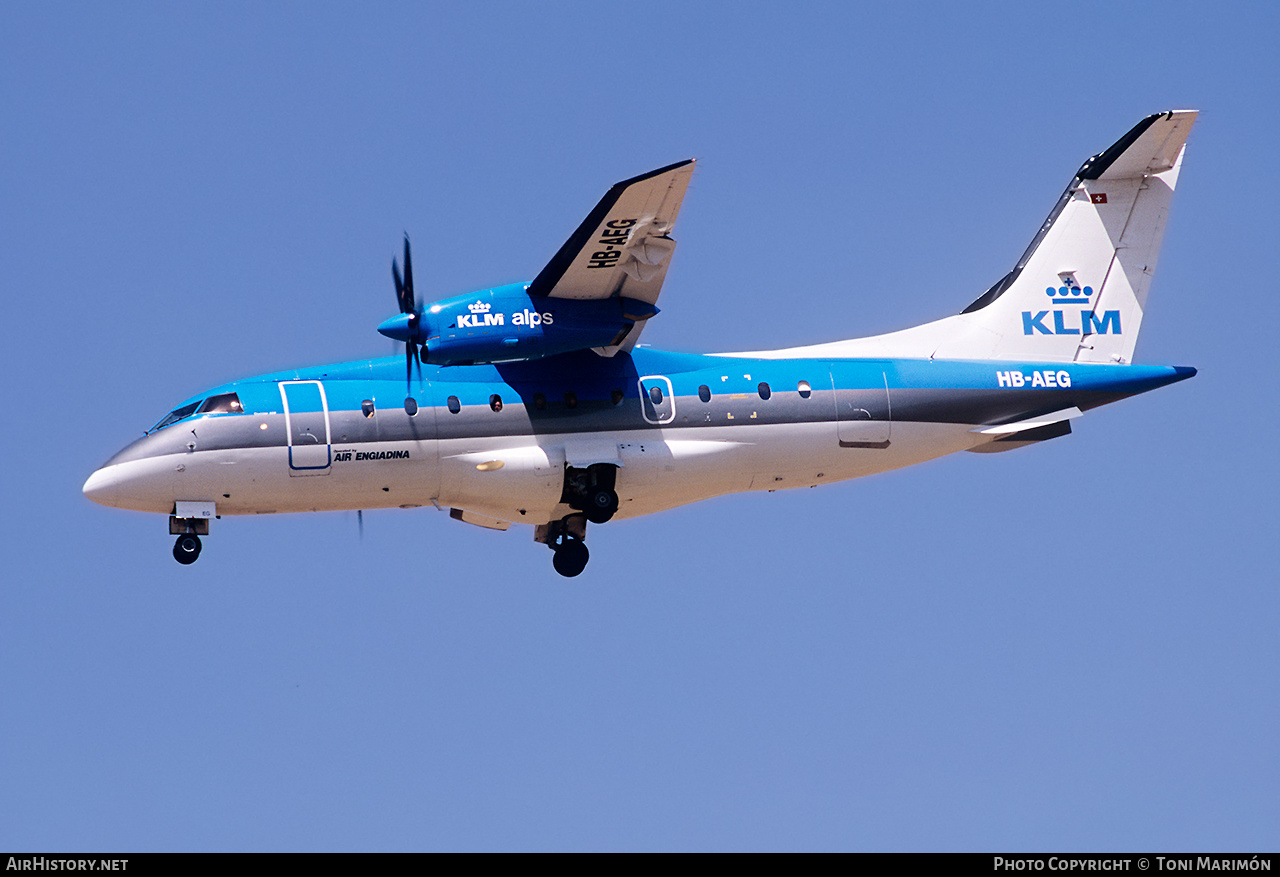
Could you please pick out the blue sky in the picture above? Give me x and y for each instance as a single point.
(1071, 646)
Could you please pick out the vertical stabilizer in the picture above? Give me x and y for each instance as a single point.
(1079, 291)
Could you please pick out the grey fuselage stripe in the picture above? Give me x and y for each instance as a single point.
(519, 417)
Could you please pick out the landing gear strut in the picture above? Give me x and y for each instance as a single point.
(187, 548)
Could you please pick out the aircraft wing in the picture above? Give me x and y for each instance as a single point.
(623, 247)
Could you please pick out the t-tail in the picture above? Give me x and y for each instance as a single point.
(1079, 291)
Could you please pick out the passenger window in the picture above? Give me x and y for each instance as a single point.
(655, 395)
(539, 401)
(411, 406)
(616, 396)
(804, 389)
(765, 392)
(704, 393)
(495, 402)
(454, 405)
(366, 407)
(571, 399)
(225, 403)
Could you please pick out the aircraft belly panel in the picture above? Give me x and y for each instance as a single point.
(786, 456)
(686, 465)
(497, 478)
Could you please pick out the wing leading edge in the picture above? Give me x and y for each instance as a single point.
(623, 247)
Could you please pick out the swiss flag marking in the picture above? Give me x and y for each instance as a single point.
(1100, 198)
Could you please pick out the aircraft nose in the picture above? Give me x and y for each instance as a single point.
(102, 487)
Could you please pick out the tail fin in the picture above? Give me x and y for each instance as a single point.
(1079, 291)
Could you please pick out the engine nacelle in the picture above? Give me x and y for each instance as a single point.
(505, 323)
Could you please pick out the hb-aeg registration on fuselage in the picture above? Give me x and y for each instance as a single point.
(531, 404)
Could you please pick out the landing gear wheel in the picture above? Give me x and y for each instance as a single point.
(570, 558)
(186, 549)
(601, 505)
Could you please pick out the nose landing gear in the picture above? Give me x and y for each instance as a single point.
(188, 530)
(187, 548)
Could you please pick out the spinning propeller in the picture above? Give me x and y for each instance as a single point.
(408, 305)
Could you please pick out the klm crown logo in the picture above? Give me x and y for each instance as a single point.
(1070, 295)
(479, 307)
(1086, 322)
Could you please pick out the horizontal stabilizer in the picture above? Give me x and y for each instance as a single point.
(1022, 439)
(1008, 436)
(1029, 423)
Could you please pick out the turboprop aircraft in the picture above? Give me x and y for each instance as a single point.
(532, 404)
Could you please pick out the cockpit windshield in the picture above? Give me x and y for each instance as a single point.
(223, 403)
(175, 415)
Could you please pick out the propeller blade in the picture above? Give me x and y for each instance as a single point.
(408, 280)
(395, 275)
(407, 302)
(360, 522)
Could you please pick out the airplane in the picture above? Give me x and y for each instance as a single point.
(531, 403)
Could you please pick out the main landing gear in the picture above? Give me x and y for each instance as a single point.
(590, 492)
(600, 505)
(566, 538)
(570, 557)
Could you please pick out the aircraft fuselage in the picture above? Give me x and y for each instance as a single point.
(497, 440)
